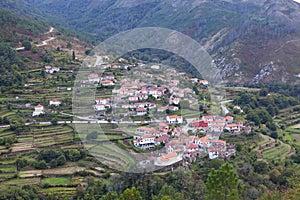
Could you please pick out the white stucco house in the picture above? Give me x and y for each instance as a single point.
(174, 119)
(55, 102)
(38, 110)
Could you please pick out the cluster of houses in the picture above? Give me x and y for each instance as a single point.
(196, 80)
(39, 109)
(178, 145)
(140, 97)
(51, 70)
(102, 104)
(215, 123)
(104, 81)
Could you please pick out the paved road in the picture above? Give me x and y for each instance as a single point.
(224, 108)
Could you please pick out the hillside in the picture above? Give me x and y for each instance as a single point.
(249, 40)
(48, 151)
(27, 44)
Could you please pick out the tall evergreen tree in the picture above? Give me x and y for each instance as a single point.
(73, 55)
(222, 184)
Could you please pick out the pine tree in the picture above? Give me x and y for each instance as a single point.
(131, 194)
(73, 55)
(222, 184)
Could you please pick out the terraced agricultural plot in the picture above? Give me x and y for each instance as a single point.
(60, 191)
(8, 168)
(60, 171)
(44, 136)
(112, 155)
(5, 132)
(55, 181)
(4, 177)
(277, 152)
(288, 117)
(21, 182)
(30, 173)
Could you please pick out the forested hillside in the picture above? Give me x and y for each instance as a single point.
(247, 39)
(14, 31)
(43, 156)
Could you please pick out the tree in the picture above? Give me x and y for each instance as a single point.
(110, 196)
(261, 167)
(131, 194)
(274, 135)
(48, 57)
(21, 163)
(54, 121)
(61, 160)
(53, 163)
(73, 55)
(73, 155)
(253, 193)
(263, 92)
(222, 184)
(26, 44)
(34, 49)
(41, 165)
(168, 192)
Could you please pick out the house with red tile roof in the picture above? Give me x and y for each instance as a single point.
(133, 98)
(38, 110)
(145, 130)
(168, 159)
(174, 119)
(174, 100)
(199, 123)
(102, 100)
(229, 119)
(54, 102)
(107, 83)
(203, 82)
(233, 127)
(99, 107)
(94, 78)
(193, 80)
(146, 142)
(141, 111)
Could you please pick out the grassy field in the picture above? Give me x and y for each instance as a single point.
(9, 168)
(56, 181)
(22, 182)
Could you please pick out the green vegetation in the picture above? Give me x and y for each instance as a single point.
(41, 161)
(56, 181)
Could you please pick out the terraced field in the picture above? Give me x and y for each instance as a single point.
(44, 136)
(21, 182)
(112, 156)
(56, 181)
(288, 117)
(271, 149)
(277, 152)
(60, 191)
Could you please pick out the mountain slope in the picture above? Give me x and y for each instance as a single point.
(250, 40)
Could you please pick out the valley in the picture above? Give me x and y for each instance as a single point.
(145, 125)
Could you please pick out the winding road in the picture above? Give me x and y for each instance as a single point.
(43, 43)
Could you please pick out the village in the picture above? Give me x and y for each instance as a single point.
(161, 107)
(169, 107)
